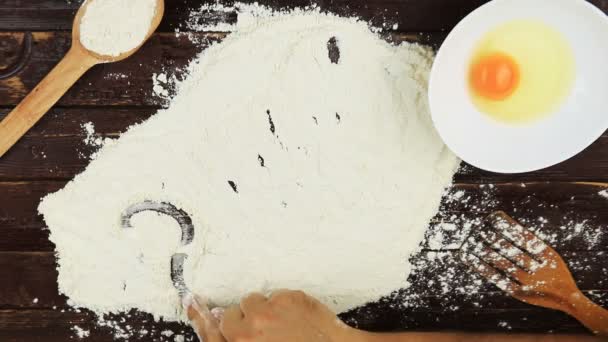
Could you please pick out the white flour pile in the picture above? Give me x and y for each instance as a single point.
(111, 27)
(297, 172)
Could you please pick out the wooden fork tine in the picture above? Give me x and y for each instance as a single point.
(521, 237)
(502, 264)
(510, 251)
(488, 272)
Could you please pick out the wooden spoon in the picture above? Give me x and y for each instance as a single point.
(75, 63)
(520, 263)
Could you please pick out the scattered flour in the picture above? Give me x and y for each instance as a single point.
(115, 76)
(159, 89)
(167, 333)
(81, 333)
(111, 27)
(603, 193)
(298, 171)
(91, 139)
(221, 17)
(197, 20)
(164, 86)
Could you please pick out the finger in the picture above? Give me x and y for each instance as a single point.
(218, 314)
(201, 319)
(252, 303)
(289, 297)
(279, 293)
(232, 324)
(280, 296)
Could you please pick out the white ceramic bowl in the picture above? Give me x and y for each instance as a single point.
(507, 148)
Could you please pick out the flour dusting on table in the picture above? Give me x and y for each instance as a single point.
(303, 151)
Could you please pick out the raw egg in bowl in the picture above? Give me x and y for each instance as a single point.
(520, 85)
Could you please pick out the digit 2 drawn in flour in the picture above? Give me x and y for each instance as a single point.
(185, 223)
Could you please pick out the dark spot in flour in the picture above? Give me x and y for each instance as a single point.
(338, 117)
(124, 286)
(272, 128)
(333, 50)
(163, 185)
(261, 160)
(233, 186)
(284, 204)
(316, 121)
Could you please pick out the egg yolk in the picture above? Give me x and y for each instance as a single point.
(494, 77)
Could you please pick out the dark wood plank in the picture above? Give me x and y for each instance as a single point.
(569, 216)
(574, 215)
(590, 165)
(19, 203)
(415, 15)
(410, 15)
(124, 83)
(446, 294)
(59, 326)
(10, 49)
(443, 296)
(25, 239)
(386, 318)
(28, 280)
(53, 326)
(56, 147)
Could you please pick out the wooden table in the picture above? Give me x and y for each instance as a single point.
(444, 295)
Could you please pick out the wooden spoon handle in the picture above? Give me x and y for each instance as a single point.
(591, 315)
(75, 63)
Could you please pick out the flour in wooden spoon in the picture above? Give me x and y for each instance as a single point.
(298, 171)
(113, 27)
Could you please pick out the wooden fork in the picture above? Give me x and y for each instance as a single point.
(518, 262)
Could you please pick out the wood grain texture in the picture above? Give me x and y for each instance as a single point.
(57, 15)
(25, 280)
(444, 294)
(56, 148)
(44, 96)
(124, 83)
(435, 301)
(55, 326)
(58, 326)
(575, 215)
(410, 15)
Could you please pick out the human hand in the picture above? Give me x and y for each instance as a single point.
(284, 316)
(204, 322)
